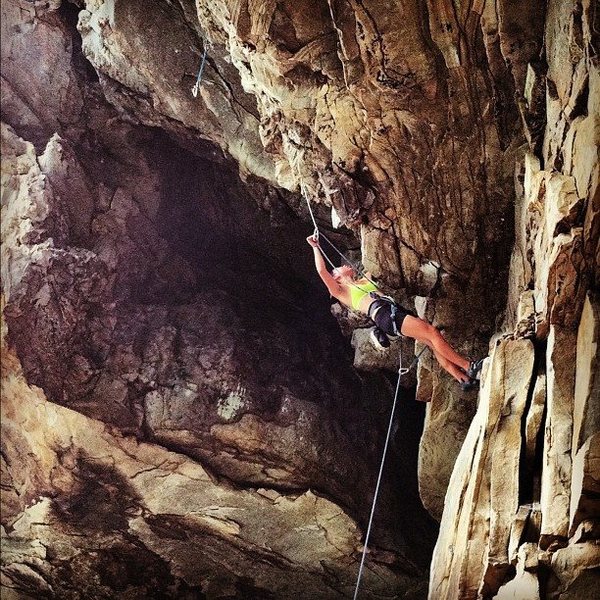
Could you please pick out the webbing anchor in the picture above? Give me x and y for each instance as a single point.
(196, 87)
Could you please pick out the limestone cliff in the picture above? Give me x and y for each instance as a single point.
(178, 400)
(522, 506)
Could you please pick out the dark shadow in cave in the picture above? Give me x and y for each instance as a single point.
(258, 262)
(209, 217)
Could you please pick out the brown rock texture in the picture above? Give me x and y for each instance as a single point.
(178, 399)
(96, 513)
(154, 294)
(524, 491)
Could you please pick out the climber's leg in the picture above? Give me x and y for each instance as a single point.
(451, 368)
(428, 334)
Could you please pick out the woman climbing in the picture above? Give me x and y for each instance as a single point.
(390, 319)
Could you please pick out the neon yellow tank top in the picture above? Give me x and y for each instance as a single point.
(358, 292)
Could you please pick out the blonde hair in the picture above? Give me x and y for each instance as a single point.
(336, 272)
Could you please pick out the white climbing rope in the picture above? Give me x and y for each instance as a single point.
(318, 234)
(385, 448)
(401, 371)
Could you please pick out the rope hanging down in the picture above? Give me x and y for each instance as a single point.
(401, 371)
(385, 448)
(196, 87)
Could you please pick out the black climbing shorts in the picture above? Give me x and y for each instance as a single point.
(380, 312)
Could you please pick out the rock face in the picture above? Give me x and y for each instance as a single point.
(118, 517)
(154, 295)
(524, 491)
(179, 400)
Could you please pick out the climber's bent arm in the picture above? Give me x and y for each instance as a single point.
(335, 289)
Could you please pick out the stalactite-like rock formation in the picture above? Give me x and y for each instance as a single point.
(177, 399)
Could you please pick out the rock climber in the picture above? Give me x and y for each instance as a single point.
(391, 319)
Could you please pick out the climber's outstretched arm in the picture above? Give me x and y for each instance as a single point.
(335, 289)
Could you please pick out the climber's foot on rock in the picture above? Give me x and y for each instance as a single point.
(474, 370)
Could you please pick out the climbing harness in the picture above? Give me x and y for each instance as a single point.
(401, 371)
(380, 302)
(393, 311)
(196, 87)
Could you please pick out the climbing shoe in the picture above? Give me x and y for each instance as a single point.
(469, 385)
(379, 338)
(474, 370)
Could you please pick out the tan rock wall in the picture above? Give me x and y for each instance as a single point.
(128, 264)
(483, 493)
(549, 490)
(401, 117)
(67, 337)
(406, 119)
(586, 410)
